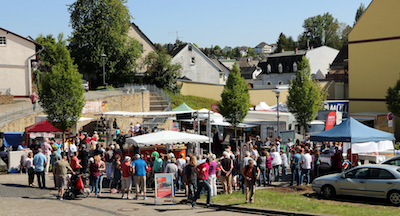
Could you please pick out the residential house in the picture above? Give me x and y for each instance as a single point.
(226, 49)
(17, 53)
(280, 68)
(197, 67)
(339, 76)
(249, 69)
(373, 60)
(263, 48)
(145, 42)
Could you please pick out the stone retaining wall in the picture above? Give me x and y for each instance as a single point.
(6, 99)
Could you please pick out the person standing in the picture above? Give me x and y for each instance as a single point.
(54, 157)
(155, 154)
(212, 177)
(95, 174)
(30, 168)
(226, 173)
(251, 174)
(276, 162)
(191, 176)
(137, 127)
(60, 170)
(72, 148)
(83, 156)
(180, 163)
(172, 168)
(126, 170)
(296, 160)
(109, 159)
(317, 163)
(262, 163)
(139, 167)
(75, 165)
(306, 161)
(284, 165)
(46, 149)
(269, 167)
(33, 98)
(40, 162)
(203, 171)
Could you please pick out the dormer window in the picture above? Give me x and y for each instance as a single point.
(3, 41)
(269, 83)
(280, 68)
(190, 47)
(294, 67)
(268, 68)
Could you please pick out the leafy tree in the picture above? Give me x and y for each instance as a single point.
(101, 27)
(286, 43)
(305, 95)
(60, 89)
(251, 52)
(393, 99)
(359, 13)
(161, 72)
(235, 98)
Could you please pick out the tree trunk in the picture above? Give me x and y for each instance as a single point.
(63, 141)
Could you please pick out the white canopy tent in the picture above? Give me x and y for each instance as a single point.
(262, 106)
(165, 137)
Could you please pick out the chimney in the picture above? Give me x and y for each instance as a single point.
(283, 50)
(296, 50)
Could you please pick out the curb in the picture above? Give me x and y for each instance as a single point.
(253, 210)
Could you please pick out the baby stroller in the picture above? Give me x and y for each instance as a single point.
(75, 187)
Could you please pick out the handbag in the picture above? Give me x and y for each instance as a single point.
(79, 184)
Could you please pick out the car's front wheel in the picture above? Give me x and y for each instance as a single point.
(328, 191)
(394, 197)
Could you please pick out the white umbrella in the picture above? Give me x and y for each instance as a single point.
(165, 137)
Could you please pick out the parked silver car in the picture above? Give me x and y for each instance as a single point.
(85, 85)
(394, 161)
(375, 180)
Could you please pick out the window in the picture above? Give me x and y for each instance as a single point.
(358, 173)
(190, 48)
(141, 45)
(268, 68)
(192, 61)
(280, 83)
(3, 41)
(269, 83)
(380, 174)
(280, 68)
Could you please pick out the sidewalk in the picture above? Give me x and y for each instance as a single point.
(23, 200)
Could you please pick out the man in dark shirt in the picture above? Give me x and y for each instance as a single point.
(83, 156)
(226, 173)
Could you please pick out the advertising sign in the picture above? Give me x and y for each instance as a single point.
(331, 120)
(244, 147)
(95, 107)
(338, 106)
(214, 107)
(175, 126)
(164, 186)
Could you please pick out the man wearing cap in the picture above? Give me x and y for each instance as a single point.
(139, 167)
(126, 170)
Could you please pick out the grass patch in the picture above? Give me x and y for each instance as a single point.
(300, 202)
(193, 101)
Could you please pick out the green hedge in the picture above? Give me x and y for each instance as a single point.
(193, 101)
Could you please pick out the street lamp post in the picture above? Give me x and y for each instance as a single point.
(142, 89)
(277, 92)
(104, 70)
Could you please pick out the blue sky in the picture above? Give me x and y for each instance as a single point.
(204, 22)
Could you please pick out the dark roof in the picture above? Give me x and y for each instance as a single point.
(176, 50)
(339, 62)
(25, 38)
(143, 34)
(261, 45)
(247, 72)
(219, 64)
(286, 58)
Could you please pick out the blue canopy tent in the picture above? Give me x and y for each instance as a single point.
(361, 137)
(12, 138)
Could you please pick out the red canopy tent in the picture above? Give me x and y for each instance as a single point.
(42, 127)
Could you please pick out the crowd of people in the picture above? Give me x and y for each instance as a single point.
(264, 163)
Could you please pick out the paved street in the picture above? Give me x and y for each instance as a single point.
(19, 199)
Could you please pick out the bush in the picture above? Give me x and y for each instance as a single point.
(103, 87)
(193, 101)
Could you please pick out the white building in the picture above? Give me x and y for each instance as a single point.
(16, 55)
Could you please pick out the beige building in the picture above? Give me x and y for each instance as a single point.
(16, 56)
(145, 42)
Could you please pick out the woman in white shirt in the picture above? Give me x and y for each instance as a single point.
(30, 167)
(276, 162)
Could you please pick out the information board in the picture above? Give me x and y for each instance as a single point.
(164, 186)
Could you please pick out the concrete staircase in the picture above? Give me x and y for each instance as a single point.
(157, 103)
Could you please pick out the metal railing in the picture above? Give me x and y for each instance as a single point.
(19, 112)
(93, 95)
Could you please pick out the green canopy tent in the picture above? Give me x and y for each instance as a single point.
(183, 107)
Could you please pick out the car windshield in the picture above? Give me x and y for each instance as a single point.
(394, 162)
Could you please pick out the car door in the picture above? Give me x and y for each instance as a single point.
(353, 182)
(379, 181)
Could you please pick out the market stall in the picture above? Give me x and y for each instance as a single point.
(359, 137)
(43, 129)
(165, 140)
